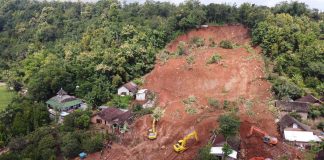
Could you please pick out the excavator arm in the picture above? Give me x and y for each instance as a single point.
(152, 132)
(182, 144)
(266, 138)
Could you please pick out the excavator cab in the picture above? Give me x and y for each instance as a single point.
(179, 146)
(270, 140)
(182, 144)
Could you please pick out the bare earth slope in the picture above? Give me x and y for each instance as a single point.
(239, 76)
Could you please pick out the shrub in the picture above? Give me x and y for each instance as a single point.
(137, 108)
(158, 113)
(214, 59)
(320, 126)
(122, 102)
(226, 44)
(92, 143)
(226, 104)
(139, 81)
(296, 115)
(189, 100)
(190, 60)
(204, 153)
(190, 110)
(213, 102)
(212, 43)
(181, 48)
(228, 125)
(314, 113)
(285, 89)
(197, 42)
(143, 112)
(71, 145)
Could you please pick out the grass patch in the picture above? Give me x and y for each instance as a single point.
(213, 103)
(214, 59)
(196, 42)
(226, 44)
(189, 105)
(212, 43)
(190, 59)
(122, 102)
(190, 110)
(5, 97)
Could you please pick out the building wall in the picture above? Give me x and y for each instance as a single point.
(141, 96)
(124, 90)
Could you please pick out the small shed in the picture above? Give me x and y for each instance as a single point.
(128, 89)
(141, 95)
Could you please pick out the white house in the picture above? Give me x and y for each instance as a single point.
(219, 152)
(128, 89)
(141, 95)
(295, 132)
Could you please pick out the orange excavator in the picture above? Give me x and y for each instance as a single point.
(266, 138)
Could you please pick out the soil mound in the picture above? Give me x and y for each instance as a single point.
(239, 77)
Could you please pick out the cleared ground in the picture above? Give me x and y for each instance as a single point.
(5, 96)
(238, 77)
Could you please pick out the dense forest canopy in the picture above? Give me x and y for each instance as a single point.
(98, 46)
(90, 49)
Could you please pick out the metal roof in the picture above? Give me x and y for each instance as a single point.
(301, 136)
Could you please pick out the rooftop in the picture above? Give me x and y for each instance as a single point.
(63, 100)
(292, 106)
(112, 114)
(131, 86)
(301, 136)
(219, 151)
(308, 99)
(142, 91)
(287, 121)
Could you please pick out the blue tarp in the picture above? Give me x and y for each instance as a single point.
(83, 155)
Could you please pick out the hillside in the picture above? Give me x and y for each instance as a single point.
(239, 77)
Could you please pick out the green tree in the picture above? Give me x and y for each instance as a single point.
(204, 153)
(228, 125)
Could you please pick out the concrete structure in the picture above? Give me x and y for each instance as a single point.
(128, 89)
(141, 95)
(218, 143)
(114, 118)
(62, 104)
(219, 152)
(295, 132)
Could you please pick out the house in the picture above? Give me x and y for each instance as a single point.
(309, 99)
(286, 107)
(142, 95)
(217, 148)
(295, 132)
(114, 118)
(128, 89)
(63, 104)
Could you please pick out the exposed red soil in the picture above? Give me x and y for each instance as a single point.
(240, 74)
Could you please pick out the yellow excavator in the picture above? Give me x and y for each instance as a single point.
(152, 134)
(182, 144)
